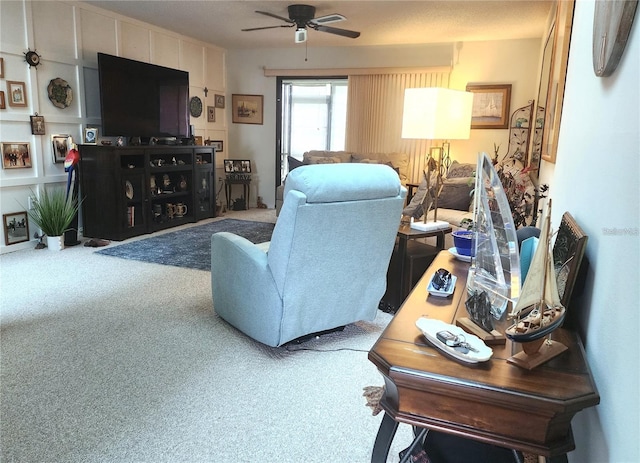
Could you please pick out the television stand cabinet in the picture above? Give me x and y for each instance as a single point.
(133, 190)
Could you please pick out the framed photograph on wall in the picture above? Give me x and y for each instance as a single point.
(1, 68)
(16, 155)
(247, 109)
(219, 101)
(3, 103)
(37, 125)
(211, 113)
(61, 146)
(217, 144)
(16, 227)
(17, 94)
(491, 106)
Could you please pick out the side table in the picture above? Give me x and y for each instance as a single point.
(246, 189)
(494, 402)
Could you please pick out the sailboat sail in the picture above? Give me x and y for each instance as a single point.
(538, 309)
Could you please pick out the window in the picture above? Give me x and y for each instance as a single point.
(313, 114)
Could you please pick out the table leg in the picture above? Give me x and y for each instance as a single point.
(227, 190)
(402, 256)
(384, 438)
(440, 240)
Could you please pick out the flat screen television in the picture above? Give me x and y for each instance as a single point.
(142, 100)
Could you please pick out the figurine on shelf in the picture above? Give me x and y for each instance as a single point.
(183, 183)
(167, 187)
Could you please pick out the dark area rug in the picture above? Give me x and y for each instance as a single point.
(191, 247)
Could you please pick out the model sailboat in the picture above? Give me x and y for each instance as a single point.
(538, 310)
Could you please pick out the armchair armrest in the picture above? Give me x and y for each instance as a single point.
(244, 292)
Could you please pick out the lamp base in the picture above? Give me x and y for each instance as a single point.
(430, 225)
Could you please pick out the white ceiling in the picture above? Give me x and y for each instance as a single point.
(380, 22)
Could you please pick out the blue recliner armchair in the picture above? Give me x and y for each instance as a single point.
(327, 261)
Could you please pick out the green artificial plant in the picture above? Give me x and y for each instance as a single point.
(53, 212)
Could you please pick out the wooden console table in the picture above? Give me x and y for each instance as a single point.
(246, 190)
(493, 402)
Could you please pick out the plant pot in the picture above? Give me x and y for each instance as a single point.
(55, 243)
(464, 242)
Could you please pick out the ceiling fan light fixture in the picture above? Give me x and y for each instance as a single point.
(301, 35)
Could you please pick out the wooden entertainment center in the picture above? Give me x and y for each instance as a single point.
(133, 190)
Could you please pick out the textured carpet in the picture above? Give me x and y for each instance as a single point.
(190, 247)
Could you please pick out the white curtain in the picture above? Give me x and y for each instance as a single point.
(374, 115)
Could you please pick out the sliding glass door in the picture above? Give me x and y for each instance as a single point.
(312, 115)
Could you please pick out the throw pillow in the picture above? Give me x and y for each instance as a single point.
(293, 162)
(324, 160)
(457, 170)
(456, 193)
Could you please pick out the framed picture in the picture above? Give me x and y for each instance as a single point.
(90, 136)
(61, 146)
(491, 106)
(16, 155)
(3, 104)
(247, 109)
(237, 166)
(37, 125)
(1, 68)
(17, 94)
(219, 101)
(217, 144)
(16, 228)
(211, 113)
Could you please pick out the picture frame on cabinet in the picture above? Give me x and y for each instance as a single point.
(211, 113)
(90, 136)
(3, 104)
(17, 94)
(491, 106)
(61, 144)
(37, 125)
(16, 227)
(16, 155)
(219, 101)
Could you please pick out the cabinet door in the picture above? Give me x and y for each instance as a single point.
(204, 188)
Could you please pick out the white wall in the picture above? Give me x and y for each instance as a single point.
(512, 62)
(596, 179)
(68, 35)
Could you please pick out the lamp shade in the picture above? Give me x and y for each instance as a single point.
(436, 114)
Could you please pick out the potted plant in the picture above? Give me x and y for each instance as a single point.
(53, 212)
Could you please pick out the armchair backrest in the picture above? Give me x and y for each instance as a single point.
(332, 243)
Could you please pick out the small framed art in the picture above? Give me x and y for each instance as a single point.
(16, 227)
(37, 125)
(219, 101)
(1, 68)
(217, 144)
(16, 155)
(61, 146)
(17, 94)
(237, 166)
(211, 113)
(247, 109)
(90, 136)
(491, 106)
(3, 103)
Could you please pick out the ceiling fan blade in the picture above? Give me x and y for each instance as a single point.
(281, 18)
(336, 31)
(266, 27)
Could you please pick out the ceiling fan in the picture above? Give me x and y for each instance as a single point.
(303, 16)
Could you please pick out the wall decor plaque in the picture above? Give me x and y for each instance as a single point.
(60, 93)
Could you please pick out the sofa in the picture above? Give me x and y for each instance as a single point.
(398, 161)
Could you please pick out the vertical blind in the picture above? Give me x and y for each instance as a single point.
(374, 115)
